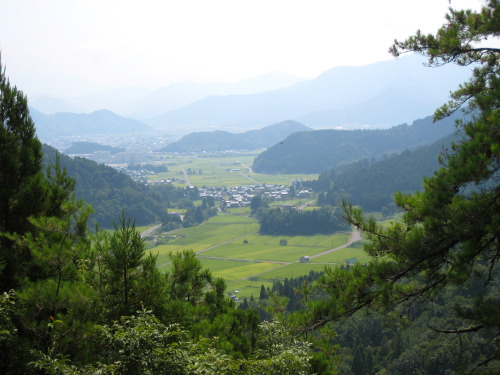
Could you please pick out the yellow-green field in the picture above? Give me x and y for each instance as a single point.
(229, 244)
(219, 244)
(268, 248)
(221, 171)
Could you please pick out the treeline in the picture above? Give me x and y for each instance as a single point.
(320, 150)
(197, 215)
(90, 148)
(110, 192)
(371, 184)
(156, 168)
(293, 222)
(407, 340)
(222, 140)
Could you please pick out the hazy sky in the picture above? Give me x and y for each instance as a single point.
(70, 47)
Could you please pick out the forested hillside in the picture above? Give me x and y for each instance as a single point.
(111, 192)
(98, 122)
(320, 150)
(90, 147)
(371, 184)
(221, 140)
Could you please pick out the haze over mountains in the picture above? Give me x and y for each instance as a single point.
(400, 90)
(379, 95)
(142, 103)
(220, 140)
(72, 124)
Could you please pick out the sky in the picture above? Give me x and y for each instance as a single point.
(68, 48)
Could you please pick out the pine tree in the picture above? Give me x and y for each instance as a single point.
(23, 191)
(450, 232)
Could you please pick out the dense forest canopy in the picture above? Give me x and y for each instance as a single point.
(448, 237)
(320, 150)
(110, 192)
(371, 184)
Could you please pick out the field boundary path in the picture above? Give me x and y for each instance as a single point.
(355, 236)
(250, 178)
(188, 181)
(150, 230)
(223, 243)
(302, 206)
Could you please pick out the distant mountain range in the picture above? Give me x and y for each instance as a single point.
(99, 122)
(221, 140)
(382, 94)
(379, 95)
(140, 103)
(320, 150)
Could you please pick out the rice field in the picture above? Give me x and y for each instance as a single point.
(230, 247)
(221, 171)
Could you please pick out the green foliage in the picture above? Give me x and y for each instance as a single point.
(142, 345)
(127, 270)
(111, 192)
(187, 279)
(295, 223)
(196, 215)
(23, 192)
(449, 233)
(320, 150)
(371, 184)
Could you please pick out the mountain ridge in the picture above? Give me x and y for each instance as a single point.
(220, 140)
(97, 122)
(339, 89)
(320, 150)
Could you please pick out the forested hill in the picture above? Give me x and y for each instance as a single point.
(320, 150)
(371, 185)
(90, 147)
(98, 122)
(109, 191)
(222, 140)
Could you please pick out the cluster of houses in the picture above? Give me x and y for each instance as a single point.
(241, 196)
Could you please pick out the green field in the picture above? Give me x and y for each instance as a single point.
(281, 179)
(219, 242)
(217, 230)
(219, 171)
(220, 246)
(268, 247)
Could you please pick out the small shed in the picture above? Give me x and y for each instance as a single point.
(304, 259)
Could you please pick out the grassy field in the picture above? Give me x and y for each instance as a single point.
(220, 171)
(281, 179)
(229, 244)
(268, 247)
(246, 266)
(217, 230)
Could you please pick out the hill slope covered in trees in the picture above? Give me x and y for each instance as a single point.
(221, 140)
(320, 150)
(110, 192)
(372, 184)
(98, 122)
